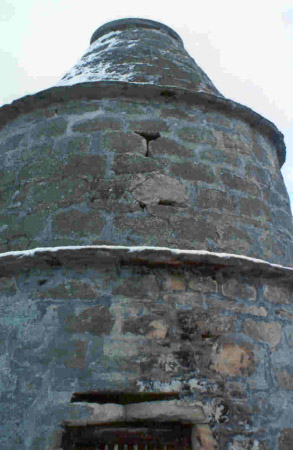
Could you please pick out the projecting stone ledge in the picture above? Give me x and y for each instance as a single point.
(99, 255)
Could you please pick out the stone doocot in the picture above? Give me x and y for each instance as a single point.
(104, 172)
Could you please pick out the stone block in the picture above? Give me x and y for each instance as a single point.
(277, 294)
(238, 308)
(289, 334)
(109, 412)
(285, 379)
(95, 320)
(205, 435)
(120, 142)
(202, 284)
(286, 439)
(158, 189)
(133, 164)
(97, 124)
(239, 289)
(164, 411)
(232, 181)
(254, 207)
(269, 332)
(139, 287)
(196, 173)
(70, 289)
(284, 314)
(148, 126)
(49, 128)
(174, 282)
(76, 222)
(167, 147)
(215, 199)
(197, 135)
(233, 360)
(84, 166)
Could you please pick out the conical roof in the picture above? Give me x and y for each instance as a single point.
(139, 51)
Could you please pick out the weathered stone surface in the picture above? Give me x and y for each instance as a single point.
(77, 359)
(95, 320)
(164, 147)
(174, 282)
(120, 142)
(202, 284)
(286, 439)
(277, 294)
(196, 173)
(158, 188)
(206, 437)
(285, 379)
(234, 288)
(164, 411)
(269, 332)
(48, 128)
(148, 126)
(197, 135)
(137, 286)
(233, 360)
(237, 307)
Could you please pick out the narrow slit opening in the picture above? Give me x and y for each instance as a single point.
(122, 398)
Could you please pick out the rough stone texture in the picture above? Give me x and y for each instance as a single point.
(270, 333)
(164, 161)
(106, 325)
(286, 439)
(129, 190)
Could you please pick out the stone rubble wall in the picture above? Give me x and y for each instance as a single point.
(135, 172)
(220, 338)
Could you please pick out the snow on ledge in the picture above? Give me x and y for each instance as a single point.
(137, 249)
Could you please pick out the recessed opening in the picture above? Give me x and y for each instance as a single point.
(122, 398)
(148, 136)
(166, 202)
(125, 436)
(170, 94)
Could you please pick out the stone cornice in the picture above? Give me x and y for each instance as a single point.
(114, 89)
(105, 255)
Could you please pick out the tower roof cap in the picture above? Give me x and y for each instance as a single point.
(134, 22)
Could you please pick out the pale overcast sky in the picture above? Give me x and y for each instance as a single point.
(245, 47)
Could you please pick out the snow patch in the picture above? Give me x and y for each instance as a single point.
(138, 249)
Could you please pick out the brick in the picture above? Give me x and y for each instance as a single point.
(98, 124)
(271, 333)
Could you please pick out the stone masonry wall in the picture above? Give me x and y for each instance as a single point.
(219, 338)
(139, 172)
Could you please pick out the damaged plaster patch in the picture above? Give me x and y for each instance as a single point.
(158, 189)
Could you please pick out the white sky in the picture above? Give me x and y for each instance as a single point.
(245, 47)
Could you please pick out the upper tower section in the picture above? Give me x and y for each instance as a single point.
(139, 51)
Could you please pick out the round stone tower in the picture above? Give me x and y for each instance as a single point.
(146, 239)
